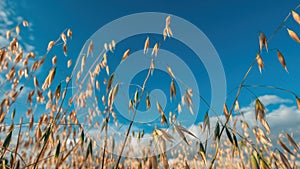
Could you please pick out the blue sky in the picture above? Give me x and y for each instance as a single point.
(232, 27)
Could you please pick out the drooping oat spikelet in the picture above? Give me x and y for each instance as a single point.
(83, 60)
(293, 35)
(90, 48)
(155, 50)
(152, 66)
(25, 23)
(54, 59)
(263, 41)
(125, 55)
(170, 72)
(35, 82)
(146, 46)
(236, 106)
(8, 33)
(162, 113)
(65, 49)
(18, 30)
(260, 62)
(69, 64)
(63, 37)
(296, 16)
(259, 110)
(225, 110)
(282, 60)
(69, 33)
(109, 83)
(49, 79)
(50, 45)
(172, 89)
(148, 104)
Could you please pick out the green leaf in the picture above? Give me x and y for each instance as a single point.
(7, 140)
(89, 150)
(235, 141)
(228, 135)
(217, 132)
(254, 163)
(57, 150)
(82, 137)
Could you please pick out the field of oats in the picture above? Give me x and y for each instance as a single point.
(61, 136)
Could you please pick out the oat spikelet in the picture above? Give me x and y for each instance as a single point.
(172, 90)
(152, 66)
(8, 33)
(168, 21)
(18, 30)
(260, 62)
(146, 46)
(69, 33)
(65, 49)
(125, 55)
(296, 17)
(155, 50)
(263, 41)
(63, 37)
(36, 83)
(25, 23)
(282, 60)
(293, 35)
(49, 79)
(226, 112)
(69, 63)
(50, 45)
(83, 60)
(148, 104)
(90, 48)
(54, 59)
(236, 106)
(170, 72)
